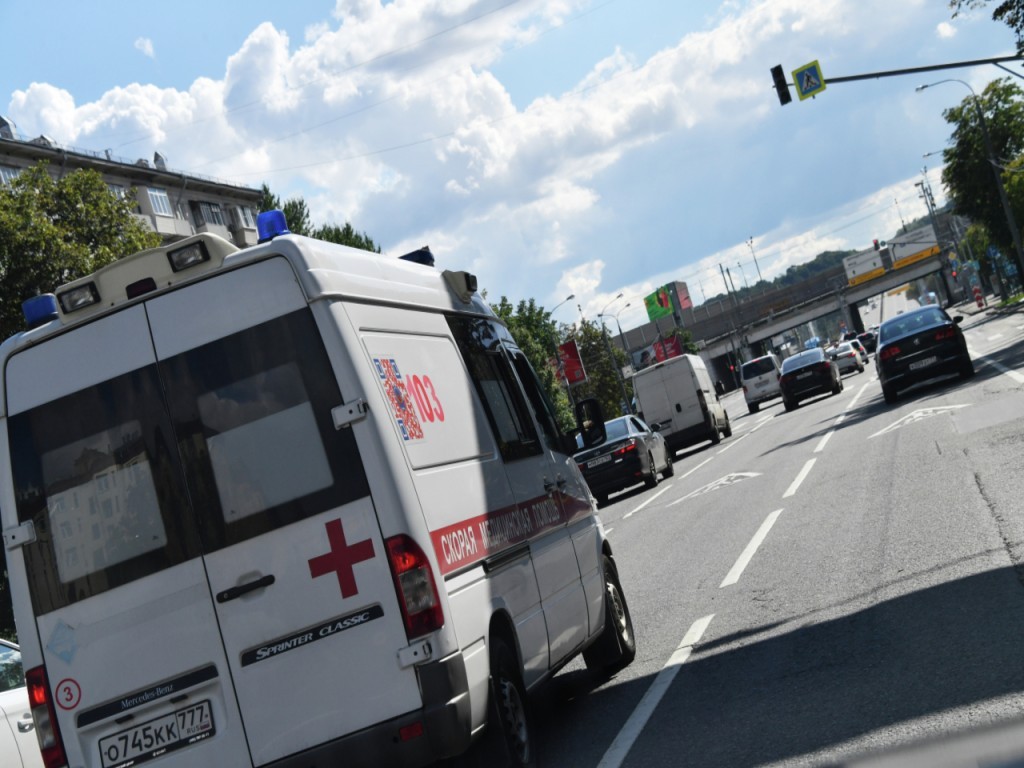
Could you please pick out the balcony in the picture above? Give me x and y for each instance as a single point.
(166, 226)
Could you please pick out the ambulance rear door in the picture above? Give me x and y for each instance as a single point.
(124, 618)
(299, 570)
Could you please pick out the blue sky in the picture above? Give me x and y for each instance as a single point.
(593, 147)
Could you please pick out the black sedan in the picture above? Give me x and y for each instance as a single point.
(807, 374)
(631, 453)
(918, 345)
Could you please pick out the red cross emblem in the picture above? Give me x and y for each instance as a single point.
(341, 558)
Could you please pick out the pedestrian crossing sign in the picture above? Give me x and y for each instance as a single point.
(808, 80)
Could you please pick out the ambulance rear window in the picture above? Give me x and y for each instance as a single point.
(96, 472)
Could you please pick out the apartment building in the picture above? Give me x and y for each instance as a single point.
(173, 203)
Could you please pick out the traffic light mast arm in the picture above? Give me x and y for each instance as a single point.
(785, 98)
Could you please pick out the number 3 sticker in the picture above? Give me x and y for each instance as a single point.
(68, 694)
(427, 401)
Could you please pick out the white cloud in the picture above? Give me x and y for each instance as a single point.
(945, 30)
(145, 45)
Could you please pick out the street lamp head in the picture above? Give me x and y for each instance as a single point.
(920, 88)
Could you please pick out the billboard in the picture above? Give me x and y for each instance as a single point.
(659, 304)
(668, 300)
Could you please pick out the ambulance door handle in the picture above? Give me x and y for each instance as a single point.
(243, 589)
(24, 726)
(548, 485)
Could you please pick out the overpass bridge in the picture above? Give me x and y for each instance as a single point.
(729, 333)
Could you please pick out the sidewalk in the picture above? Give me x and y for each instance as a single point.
(970, 308)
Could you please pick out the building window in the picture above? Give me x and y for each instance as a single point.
(120, 191)
(248, 220)
(8, 174)
(160, 201)
(207, 213)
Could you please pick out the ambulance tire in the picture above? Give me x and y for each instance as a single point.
(615, 648)
(510, 734)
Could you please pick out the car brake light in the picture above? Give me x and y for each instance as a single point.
(414, 583)
(43, 717)
(825, 366)
(630, 446)
(888, 352)
(945, 333)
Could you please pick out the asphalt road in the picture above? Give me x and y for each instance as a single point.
(827, 586)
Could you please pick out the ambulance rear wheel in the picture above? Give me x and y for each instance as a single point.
(616, 646)
(509, 722)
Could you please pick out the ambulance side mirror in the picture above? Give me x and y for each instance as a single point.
(590, 422)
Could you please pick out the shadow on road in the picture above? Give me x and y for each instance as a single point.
(774, 695)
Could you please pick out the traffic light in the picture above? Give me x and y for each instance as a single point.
(954, 274)
(876, 243)
(781, 86)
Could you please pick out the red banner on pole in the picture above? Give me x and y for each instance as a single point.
(572, 364)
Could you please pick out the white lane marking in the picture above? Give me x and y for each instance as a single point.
(799, 479)
(696, 468)
(994, 337)
(729, 479)
(668, 486)
(825, 438)
(859, 393)
(1002, 369)
(753, 429)
(608, 530)
(619, 748)
(921, 413)
(744, 559)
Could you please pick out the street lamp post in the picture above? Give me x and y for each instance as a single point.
(1007, 211)
(611, 356)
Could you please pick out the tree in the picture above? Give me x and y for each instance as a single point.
(602, 371)
(345, 235)
(55, 231)
(968, 172)
(536, 334)
(1010, 12)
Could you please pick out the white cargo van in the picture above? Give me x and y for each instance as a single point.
(294, 505)
(678, 399)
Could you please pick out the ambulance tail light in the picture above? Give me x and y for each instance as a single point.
(415, 585)
(43, 716)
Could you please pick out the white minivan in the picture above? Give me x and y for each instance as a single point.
(760, 378)
(678, 399)
(293, 505)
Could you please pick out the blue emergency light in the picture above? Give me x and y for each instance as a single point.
(270, 224)
(39, 310)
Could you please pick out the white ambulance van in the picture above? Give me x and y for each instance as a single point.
(678, 399)
(293, 505)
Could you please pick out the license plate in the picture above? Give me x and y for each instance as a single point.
(804, 375)
(761, 384)
(923, 363)
(598, 461)
(155, 737)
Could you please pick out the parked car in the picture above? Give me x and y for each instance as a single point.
(918, 345)
(631, 453)
(869, 340)
(19, 747)
(807, 374)
(847, 357)
(760, 378)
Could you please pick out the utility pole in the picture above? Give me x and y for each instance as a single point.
(760, 279)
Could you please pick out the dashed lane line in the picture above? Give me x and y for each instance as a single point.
(744, 559)
(799, 479)
(667, 487)
(629, 733)
(982, 360)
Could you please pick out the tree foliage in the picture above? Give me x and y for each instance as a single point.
(968, 174)
(55, 231)
(1009, 12)
(297, 214)
(537, 334)
(603, 362)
